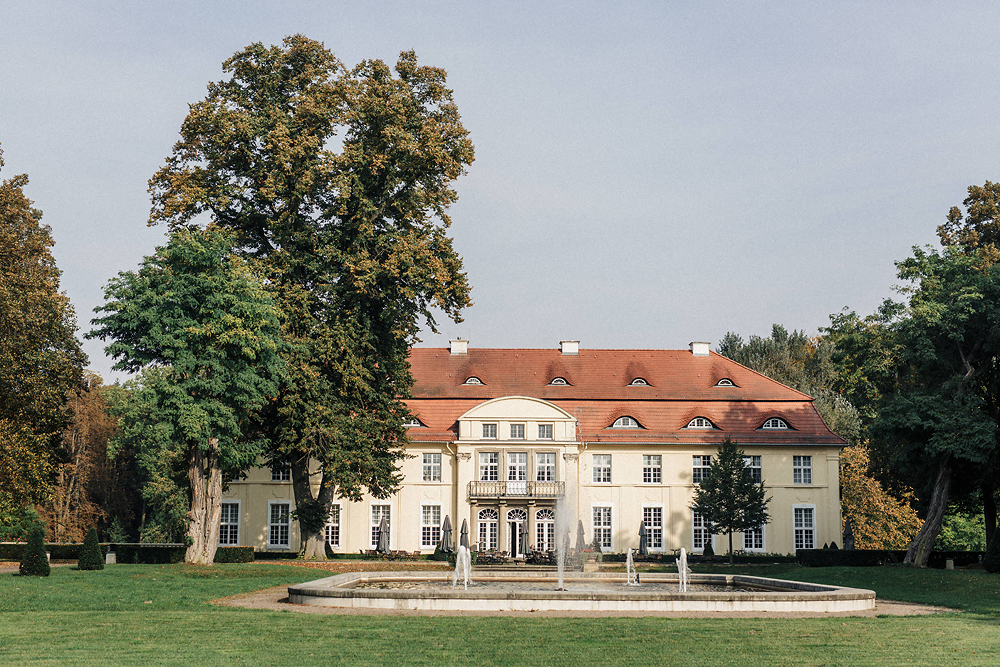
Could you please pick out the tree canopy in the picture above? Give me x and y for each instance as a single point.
(340, 182)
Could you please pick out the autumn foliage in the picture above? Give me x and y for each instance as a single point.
(879, 521)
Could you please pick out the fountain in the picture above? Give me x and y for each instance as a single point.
(463, 566)
(683, 571)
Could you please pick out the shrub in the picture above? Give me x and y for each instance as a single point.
(234, 555)
(708, 551)
(91, 557)
(992, 561)
(34, 562)
(150, 554)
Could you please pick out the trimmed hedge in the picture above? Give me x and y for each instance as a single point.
(233, 555)
(149, 554)
(34, 563)
(873, 557)
(91, 557)
(58, 550)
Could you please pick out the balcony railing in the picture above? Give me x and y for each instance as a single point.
(516, 490)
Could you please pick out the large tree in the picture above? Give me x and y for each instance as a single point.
(201, 313)
(728, 499)
(340, 181)
(40, 358)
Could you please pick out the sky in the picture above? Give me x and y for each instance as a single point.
(647, 173)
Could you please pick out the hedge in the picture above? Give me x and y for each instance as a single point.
(873, 557)
(233, 555)
(57, 550)
(149, 554)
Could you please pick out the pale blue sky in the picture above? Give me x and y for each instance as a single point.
(646, 174)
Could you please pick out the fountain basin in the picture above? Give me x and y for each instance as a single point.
(494, 592)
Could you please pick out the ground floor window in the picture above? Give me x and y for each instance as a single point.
(379, 512)
(279, 524)
(805, 527)
(545, 530)
(653, 516)
(333, 527)
(430, 525)
(700, 532)
(753, 540)
(602, 527)
(229, 528)
(489, 520)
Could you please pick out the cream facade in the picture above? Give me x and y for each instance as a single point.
(523, 445)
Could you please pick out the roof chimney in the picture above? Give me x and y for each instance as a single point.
(459, 346)
(700, 349)
(569, 346)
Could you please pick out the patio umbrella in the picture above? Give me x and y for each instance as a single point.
(643, 539)
(463, 537)
(581, 541)
(447, 543)
(524, 537)
(383, 537)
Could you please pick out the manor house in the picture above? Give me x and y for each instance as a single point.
(508, 440)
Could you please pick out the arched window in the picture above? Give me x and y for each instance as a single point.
(472, 379)
(559, 382)
(700, 422)
(488, 529)
(725, 382)
(775, 424)
(517, 514)
(638, 382)
(625, 422)
(545, 530)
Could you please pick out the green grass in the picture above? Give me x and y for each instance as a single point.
(158, 615)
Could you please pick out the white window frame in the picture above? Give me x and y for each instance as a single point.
(517, 466)
(625, 421)
(802, 470)
(223, 523)
(559, 382)
(386, 510)
(281, 473)
(698, 527)
(430, 525)
(811, 531)
(545, 431)
(272, 526)
(431, 467)
(700, 423)
(659, 531)
(490, 470)
(639, 382)
(490, 431)
(725, 382)
(488, 539)
(517, 431)
(753, 462)
(601, 470)
(752, 546)
(652, 469)
(331, 532)
(701, 465)
(775, 424)
(472, 380)
(545, 529)
(550, 468)
(605, 530)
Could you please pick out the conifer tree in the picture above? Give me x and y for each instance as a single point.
(90, 554)
(34, 562)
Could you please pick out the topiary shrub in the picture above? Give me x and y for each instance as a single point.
(34, 562)
(91, 557)
(991, 563)
(233, 555)
(708, 552)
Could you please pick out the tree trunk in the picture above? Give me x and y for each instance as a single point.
(989, 510)
(313, 542)
(920, 549)
(730, 547)
(205, 476)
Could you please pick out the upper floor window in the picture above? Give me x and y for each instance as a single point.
(753, 463)
(281, 473)
(652, 468)
(489, 466)
(625, 422)
(602, 468)
(700, 422)
(414, 423)
(545, 431)
(802, 469)
(702, 468)
(638, 382)
(775, 423)
(517, 431)
(725, 382)
(472, 379)
(432, 467)
(545, 467)
(489, 431)
(560, 382)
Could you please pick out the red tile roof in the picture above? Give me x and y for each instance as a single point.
(681, 386)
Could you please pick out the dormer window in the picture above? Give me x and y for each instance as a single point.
(560, 382)
(725, 382)
(638, 382)
(700, 422)
(473, 380)
(625, 422)
(775, 424)
(414, 423)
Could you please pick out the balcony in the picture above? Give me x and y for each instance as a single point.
(550, 490)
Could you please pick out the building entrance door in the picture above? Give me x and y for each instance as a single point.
(517, 532)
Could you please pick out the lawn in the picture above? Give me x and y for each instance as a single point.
(158, 615)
